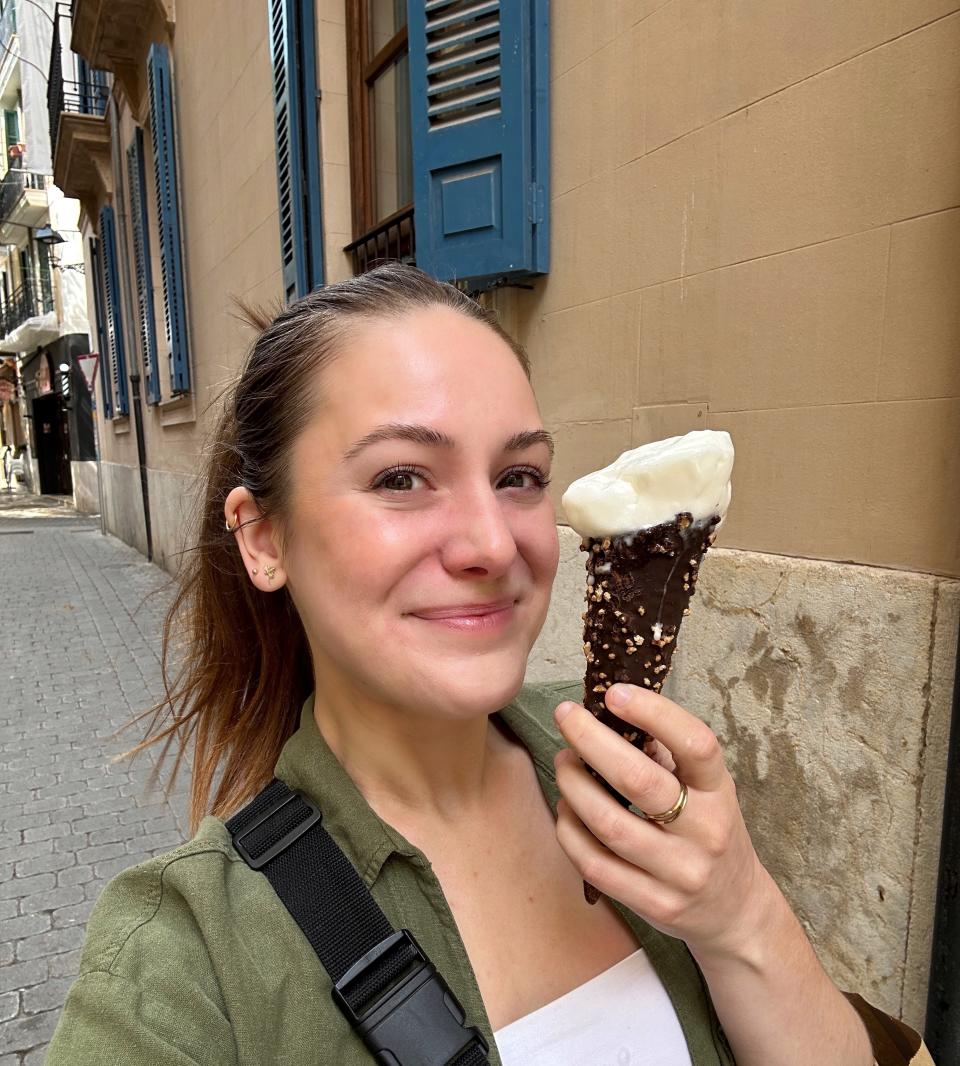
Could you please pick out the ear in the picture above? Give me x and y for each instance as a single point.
(257, 538)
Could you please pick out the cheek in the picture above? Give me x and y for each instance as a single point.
(539, 542)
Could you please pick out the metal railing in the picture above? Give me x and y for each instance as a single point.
(8, 21)
(394, 240)
(13, 185)
(23, 303)
(85, 97)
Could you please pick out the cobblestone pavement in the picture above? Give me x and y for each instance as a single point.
(80, 617)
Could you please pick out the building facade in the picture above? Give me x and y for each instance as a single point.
(47, 416)
(735, 216)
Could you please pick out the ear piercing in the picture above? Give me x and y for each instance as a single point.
(231, 528)
(270, 571)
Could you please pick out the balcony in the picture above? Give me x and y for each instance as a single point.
(115, 34)
(24, 303)
(68, 98)
(23, 203)
(79, 136)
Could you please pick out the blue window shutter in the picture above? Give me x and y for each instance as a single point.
(137, 182)
(168, 214)
(293, 55)
(479, 101)
(112, 318)
(99, 303)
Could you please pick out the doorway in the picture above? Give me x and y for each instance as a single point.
(51, 434)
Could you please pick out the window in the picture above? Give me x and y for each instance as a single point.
(449, 128)
(295, 93)
(163, 134)
(381, 163)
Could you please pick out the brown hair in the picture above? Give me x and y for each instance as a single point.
(244, 661)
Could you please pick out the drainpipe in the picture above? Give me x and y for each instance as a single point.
(129, 316)
(942, 1029)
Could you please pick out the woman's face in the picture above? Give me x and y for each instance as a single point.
(385, 534)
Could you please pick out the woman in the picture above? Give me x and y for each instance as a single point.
(386, 567)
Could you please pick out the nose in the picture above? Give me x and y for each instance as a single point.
(479, 538)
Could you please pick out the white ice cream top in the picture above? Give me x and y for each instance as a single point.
(653, 484)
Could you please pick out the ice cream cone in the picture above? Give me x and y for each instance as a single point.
(641, 577)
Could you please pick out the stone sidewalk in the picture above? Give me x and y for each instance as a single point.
(80, 617)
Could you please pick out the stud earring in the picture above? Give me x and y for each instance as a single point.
(255, 570)
(270, 571)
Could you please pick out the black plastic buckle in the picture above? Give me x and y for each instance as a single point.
(418, 1022)
(281, 845)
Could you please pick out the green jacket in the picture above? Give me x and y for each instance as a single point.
(190, 958)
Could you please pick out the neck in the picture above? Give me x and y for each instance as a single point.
(410, 765)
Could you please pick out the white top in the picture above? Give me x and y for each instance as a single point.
(621, 1017)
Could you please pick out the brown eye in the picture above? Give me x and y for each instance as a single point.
(397, 479)
(396, 482)
(538, 479)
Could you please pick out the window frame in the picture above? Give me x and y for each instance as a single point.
(362, 71)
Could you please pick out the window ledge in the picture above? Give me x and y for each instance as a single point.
(178, 410)
(121, 425)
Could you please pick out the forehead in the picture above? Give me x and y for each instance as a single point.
(435, 366)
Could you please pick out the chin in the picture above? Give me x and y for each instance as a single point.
(467, 687)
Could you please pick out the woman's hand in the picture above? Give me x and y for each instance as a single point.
(697, 878)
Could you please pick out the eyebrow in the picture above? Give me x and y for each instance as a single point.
(418, 434)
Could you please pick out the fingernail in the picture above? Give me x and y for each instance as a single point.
(562, 711)
(617, 694)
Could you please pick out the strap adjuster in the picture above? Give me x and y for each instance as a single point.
(418, 1021)
(259, 861)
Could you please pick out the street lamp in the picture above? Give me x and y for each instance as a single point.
(49, 236)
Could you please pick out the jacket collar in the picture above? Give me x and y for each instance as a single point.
(308, 763)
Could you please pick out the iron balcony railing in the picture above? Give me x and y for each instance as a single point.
(392, 241)
(88, 96)
(13, 185)
(23, 303)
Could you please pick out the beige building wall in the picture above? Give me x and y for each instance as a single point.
(755, 228)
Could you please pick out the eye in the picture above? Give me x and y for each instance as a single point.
(396, 479)
(536, 475)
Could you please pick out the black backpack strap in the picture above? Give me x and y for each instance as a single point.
(383, 982)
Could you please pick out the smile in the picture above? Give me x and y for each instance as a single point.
(486, 621)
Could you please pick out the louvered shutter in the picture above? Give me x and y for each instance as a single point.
(137, 182)
(293, 54)
(98, 304)
(112, 318)
(479, 86)
(168, 214)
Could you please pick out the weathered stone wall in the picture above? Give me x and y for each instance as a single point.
(829, 686)
(86, 493)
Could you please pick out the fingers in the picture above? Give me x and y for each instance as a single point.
(643, 844)
(693, 744)
(609, 873)
(648, 785)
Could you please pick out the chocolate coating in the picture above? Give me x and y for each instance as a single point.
(638, 587)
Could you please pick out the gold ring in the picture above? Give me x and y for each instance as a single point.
(674, 813)
(231, 528)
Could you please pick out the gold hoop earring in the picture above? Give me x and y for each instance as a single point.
(270, 571)
(231, 528)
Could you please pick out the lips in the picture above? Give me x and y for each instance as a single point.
(465, 610)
